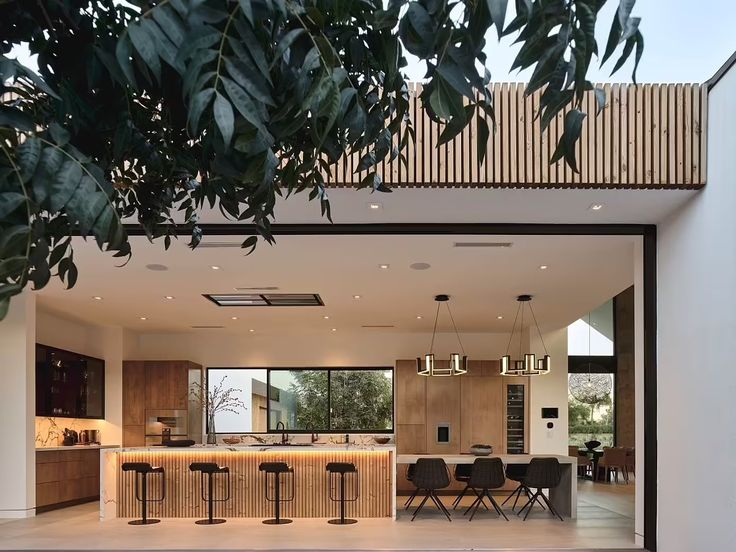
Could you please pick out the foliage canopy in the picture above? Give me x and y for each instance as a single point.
(146, 111)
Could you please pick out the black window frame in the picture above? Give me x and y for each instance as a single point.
(329, 370)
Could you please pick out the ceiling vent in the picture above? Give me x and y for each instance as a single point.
(483, 244)
(257, 288)
(207, 327)
(265, 299)
(378, 326)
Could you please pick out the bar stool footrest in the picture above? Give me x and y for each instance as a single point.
(214, 521)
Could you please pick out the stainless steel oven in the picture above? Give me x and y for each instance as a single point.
(172, 423)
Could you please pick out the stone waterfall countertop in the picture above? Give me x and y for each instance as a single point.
(261, 447)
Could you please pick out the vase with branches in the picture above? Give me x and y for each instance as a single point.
(214, 400)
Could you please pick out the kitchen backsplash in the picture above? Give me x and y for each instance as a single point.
(326, 438)
(50, 431)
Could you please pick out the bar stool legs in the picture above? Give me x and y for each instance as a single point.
(277, 469)
(210, 469)
(142, 470)
(337, 472)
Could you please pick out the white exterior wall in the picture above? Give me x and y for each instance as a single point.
(696, 325)
(17, 408)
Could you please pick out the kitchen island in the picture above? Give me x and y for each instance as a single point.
(376, 466)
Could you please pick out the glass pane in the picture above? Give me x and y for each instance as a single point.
(591, 409)
(594, 339)
(245, 387)
(298, 398)
(361, 400)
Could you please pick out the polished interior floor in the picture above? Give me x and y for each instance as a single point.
(605, 521)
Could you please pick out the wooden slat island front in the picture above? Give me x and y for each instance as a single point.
(375, 464)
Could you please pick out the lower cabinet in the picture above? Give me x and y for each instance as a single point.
(66, 477)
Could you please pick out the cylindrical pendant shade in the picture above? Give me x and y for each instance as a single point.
(530, 363)
(544, 365)
(506, 365)
(425, 366)
(458, 364)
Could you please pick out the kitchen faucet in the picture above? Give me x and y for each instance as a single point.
(284, 435)
(315, 435)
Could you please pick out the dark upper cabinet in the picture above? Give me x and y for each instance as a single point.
(69, 385)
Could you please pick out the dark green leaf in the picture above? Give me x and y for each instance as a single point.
(145, 45)
(243, 103)
(286, 41)
(482, 142)
(224, 118)
(455, 76)
(13, 117)
(9, 202)
(27, 155)
(197, 106)
(123, 53)
(497, 9)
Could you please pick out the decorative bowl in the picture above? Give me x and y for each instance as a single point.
(481, 450)
(382, 440)
(592, 445)
(231, 440)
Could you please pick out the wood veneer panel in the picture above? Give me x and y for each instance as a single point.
(183, 498)
(134, 393)
(410, 393)
(482, 412)
(411, 438)
(443, 406)
(134, 436)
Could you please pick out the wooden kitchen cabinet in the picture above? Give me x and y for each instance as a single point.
(152, 385)
(66, 477)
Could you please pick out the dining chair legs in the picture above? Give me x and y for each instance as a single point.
(409, 500)
(433, 495)
(479, 500)
(517, 493)
(535, 498)
(459, 497)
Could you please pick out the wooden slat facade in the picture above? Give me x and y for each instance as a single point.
(183, 495)
(650, 136)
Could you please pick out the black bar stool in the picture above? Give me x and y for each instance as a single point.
(339, 470)
(143, 469)
(277, 469)
(210, 469)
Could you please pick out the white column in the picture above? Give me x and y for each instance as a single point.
(17, 408)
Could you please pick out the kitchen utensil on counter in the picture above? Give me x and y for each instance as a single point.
(89, 437)
(481, 450)
(71, 437)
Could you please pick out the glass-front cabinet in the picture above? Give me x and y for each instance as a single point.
(516, 416)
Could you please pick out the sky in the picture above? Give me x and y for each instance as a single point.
(685, 41)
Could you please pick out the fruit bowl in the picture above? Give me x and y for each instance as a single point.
(382, 440)
(231, 440)
(481, 450)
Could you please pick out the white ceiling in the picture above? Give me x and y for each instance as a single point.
(584, 271)
(445, 205)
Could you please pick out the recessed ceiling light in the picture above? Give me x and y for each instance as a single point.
(97, 298)
(419, 266)
(233, 318)
(543, 267)
(356, 296)
(251, 330)
(334, 329)
(169, 297)
(375, 206)
(157, 267)
(144, 318)
(500, 317)
(326, 317)
(596, 207)
(383, 266)
(215, 267)
(419, 316)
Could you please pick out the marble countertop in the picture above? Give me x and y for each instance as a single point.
(77, 447)
(352, 447)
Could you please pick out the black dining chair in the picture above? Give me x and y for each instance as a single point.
(487, 474)
(517, 472)
(430, 475)
(462, 475)
(410, 469)
(543, 473)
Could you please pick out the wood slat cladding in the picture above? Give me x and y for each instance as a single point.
(647, 136)
(183, 497)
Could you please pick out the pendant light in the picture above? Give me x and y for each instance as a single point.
(526, 364)
(458, 365)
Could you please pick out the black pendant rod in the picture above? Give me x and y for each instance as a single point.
(434, 330)
(457, 334)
